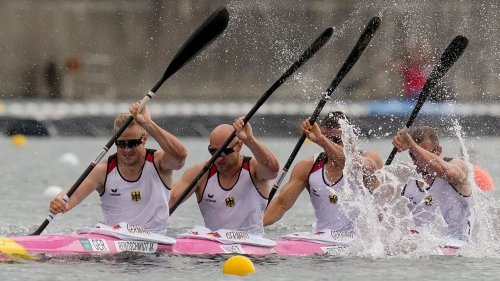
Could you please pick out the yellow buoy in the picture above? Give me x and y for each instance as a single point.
(238, 265)
(18, 140)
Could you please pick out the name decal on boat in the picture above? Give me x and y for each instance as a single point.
(233, 249)
(136, 246)
(94, 245)
(339, 235)
(333, 250)
(137, 229)
(237, 235)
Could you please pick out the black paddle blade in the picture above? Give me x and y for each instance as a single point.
(313, 48)
(201, 38)
(363, 42)
(361, 45)
(450, 55)
(306, 55)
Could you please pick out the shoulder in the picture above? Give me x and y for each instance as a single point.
(457, 162)
(103, 165)
(99, 173)
(303, 167)
(374, 156)
(195, 169)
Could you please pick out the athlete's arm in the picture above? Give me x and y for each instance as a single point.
(334, 152)
(94, 181)
(181, 184)
(456, 173)
(371, 162)
(289, 192)
(173, 153)
(267, 165)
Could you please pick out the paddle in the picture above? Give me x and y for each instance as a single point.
(450, 55)
(202, 37)
(313, 48)
(353, 57)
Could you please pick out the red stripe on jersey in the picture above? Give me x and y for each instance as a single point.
(111, 164)
(212, 171)
(246, 165)
(318, 165)
(149, 156)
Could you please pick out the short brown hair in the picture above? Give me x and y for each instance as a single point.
(331, 120)
(421, 133)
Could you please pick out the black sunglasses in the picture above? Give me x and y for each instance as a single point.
(128, 143)
(225, 151)
(335, 139)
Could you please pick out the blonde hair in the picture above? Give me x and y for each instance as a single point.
(122, 118)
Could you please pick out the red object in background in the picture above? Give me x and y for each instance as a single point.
(414, 81)
(483, 179)
(73, 64)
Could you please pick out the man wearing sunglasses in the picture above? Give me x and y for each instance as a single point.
(446, 190)
(133, 184)
(233, 193)
(323, 177)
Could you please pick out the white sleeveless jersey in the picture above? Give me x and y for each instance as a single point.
(328, 206)
(143, 202)
(240, 207)
(441, 198)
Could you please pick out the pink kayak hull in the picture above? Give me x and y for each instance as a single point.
(307, 248)
(303, 248)
(83, 244)
(91, 244)
(191, 246)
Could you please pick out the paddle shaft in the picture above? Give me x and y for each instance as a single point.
(359, 48)
(315, 46)
(202, 37)
(450, 55)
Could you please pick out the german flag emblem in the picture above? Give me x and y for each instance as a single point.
(333, 199)
(136, 195)
(230, 201)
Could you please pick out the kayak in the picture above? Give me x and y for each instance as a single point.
(201, 241)
(335, 243)
(75, 244)
(102, 239)
(314, 243)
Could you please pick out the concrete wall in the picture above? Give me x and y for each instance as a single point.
(124, 47)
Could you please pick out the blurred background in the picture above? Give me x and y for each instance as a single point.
(69, 66)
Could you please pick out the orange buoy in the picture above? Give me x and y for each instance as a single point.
(483, 179)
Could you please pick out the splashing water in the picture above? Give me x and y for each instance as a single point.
(383, 221)
(358, 198)
(484, 232)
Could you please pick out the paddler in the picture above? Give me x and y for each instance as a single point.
(134, 183)
(445, 191)
(233, 193)
(323, 177)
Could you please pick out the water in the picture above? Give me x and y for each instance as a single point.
(27, 171)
